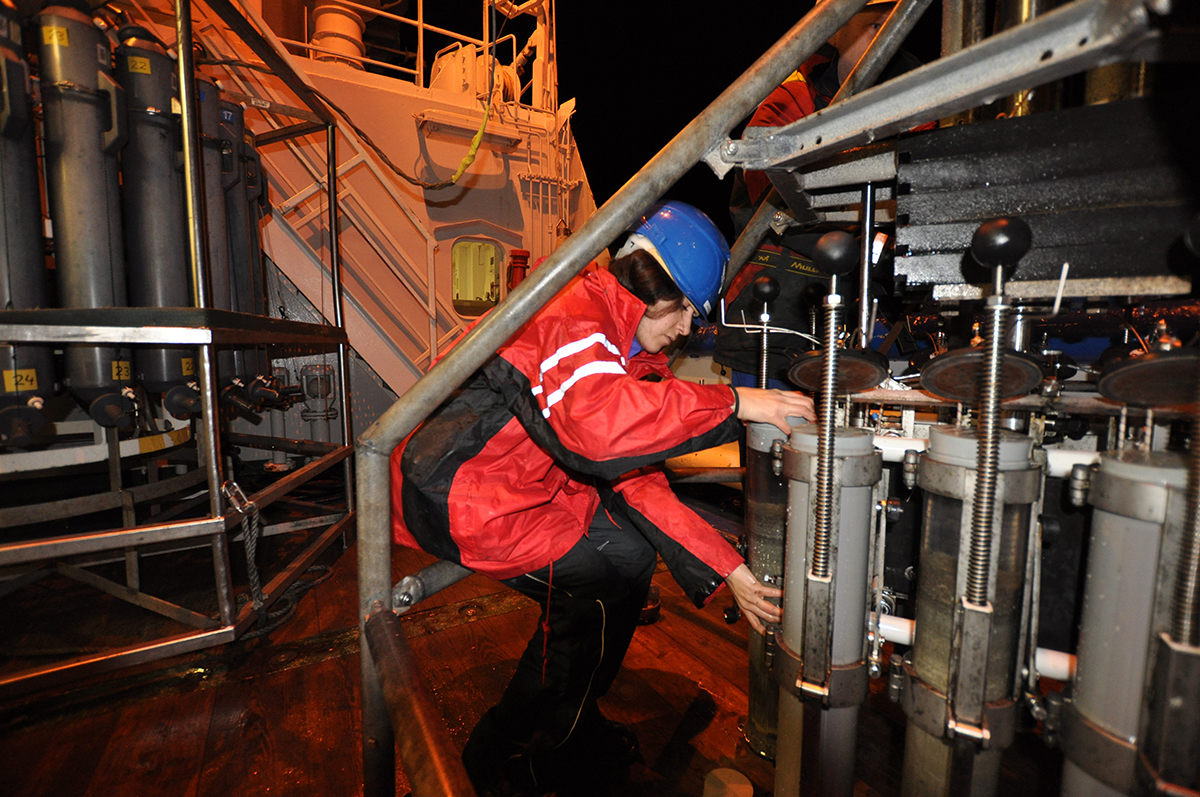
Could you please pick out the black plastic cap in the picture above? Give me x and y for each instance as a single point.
(836, 253)
(766, 289)
(1001, 242)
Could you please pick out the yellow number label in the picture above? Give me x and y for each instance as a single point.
(52, 34)
(139, 65)
(19, 380)
(122, 372)
(189, 366)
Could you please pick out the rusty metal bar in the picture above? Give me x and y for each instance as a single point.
(429, 757)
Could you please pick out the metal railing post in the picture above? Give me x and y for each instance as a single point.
(339, 320)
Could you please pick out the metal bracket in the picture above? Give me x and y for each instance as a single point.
(968, 667)
(715, 158)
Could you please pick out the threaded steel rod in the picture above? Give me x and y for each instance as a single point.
(762, 354)
(825, 439)
(987, 457)
(1185, 625)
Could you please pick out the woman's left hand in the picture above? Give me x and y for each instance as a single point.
(751, 596)
(773, 407)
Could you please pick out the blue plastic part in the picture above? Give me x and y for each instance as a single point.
(691, 249)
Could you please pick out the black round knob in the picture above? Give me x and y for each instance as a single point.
(836, 253)
(813, 294)
(766, 289)
(1001, 242)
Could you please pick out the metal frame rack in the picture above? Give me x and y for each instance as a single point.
(208, 330)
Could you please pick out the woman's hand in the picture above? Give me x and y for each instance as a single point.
(751, 597)
(774, 406)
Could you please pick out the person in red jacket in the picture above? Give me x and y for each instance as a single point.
(544, 472)
(787, 256)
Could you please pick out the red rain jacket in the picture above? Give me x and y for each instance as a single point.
(506, 476)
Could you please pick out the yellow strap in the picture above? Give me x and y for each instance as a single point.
(475, 142)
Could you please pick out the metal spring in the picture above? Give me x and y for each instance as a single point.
(987, 460)
(1185, 625)
(825, 439)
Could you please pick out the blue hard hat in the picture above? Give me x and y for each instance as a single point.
(688, 245)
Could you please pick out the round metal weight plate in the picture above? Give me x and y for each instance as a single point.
(1158, 379)
(857, 370)
(958, 375)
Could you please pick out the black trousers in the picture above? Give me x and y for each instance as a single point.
(591, 599)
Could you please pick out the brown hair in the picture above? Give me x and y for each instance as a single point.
(641, 274)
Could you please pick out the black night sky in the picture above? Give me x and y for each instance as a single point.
(639, 75)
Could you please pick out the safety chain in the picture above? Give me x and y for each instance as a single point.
(251, 527)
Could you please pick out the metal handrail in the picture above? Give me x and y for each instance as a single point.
(375, 446)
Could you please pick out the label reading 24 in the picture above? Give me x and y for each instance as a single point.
(20, 380)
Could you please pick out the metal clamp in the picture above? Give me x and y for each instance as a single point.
(1107, 758)
(928, 709)
(846, 685)
(861, 471)
(237, 499)
(1169, 761)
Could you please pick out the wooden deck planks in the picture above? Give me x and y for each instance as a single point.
(157, 751)
(257, 739)
(48, 761)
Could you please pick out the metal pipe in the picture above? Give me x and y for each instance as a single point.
(412, 589)
(308, 448)
(197, 235)
(223, 579)
(193, 190)
(429, 756)
(1185, 625)
(753, 234)
(374, 578)
(691, 144)
(864, 269)
(1050, 663)
(988, 454)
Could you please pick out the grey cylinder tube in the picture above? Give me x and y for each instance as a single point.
(27, 371)
(152, 200)
(82, 134)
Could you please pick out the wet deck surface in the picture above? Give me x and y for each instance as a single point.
(279, 714)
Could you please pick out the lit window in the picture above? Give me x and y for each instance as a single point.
(475, 266)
